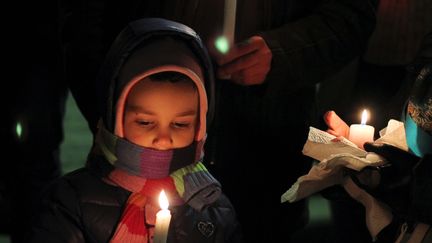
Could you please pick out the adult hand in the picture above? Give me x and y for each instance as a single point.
(395, 177)
(405, 161)
(399, 169)
(336, 126)
(246, 63)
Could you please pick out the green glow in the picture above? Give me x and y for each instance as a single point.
(222, 44)
(18, 129)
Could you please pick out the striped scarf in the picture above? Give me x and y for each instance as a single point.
(146, 172)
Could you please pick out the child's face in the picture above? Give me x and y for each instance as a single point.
(161, 115)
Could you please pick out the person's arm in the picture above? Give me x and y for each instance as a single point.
(310, 49)
(421, 204)
(390, 233)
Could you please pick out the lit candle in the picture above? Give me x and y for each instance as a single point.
(224, 42)
(163, 218)
(361, 133)
(229, 20)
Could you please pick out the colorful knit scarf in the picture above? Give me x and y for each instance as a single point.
(146, 172)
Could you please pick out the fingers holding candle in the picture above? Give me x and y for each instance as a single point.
(248, 62)
(336, 126)
(239, 50)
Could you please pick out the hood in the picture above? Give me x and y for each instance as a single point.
(150, 46)
(146, 47)
(418, 118)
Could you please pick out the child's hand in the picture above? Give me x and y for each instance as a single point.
(336, 126)
(247, 63)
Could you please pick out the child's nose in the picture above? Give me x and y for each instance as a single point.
(163, 140)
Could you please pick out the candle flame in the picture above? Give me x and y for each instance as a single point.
(222, 44)
(163, 200)
(364, 117)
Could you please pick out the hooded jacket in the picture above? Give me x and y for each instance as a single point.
(83, 206)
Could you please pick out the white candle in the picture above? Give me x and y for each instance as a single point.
(224, 42)
(163, 218)
(361, 133)
(229, 20)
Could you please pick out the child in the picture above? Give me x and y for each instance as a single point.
(156, 82)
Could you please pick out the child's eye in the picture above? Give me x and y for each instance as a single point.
(181, 124)
(144, 123)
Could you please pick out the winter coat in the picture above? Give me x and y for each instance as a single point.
(81, 207)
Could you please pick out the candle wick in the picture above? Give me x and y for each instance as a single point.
(364, 117)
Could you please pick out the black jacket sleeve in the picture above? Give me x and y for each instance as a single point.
(308, 49)
(421, 206)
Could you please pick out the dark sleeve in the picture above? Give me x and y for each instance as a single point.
(309, 49)
(59, 217)
(421, 206)
(391, 232)
(234, 231)
(424, 54)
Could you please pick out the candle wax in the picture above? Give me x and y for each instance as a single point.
(360, 134)
(229, 20)
(163, 218)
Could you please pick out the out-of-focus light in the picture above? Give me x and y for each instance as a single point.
(18, 129)
(222, 44)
